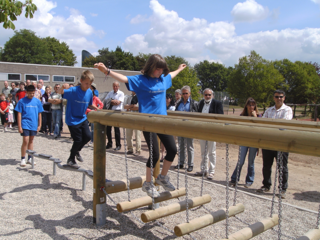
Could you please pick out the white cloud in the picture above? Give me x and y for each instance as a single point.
(73, 30)
(139, 19)
(249, 11)
(197, 40)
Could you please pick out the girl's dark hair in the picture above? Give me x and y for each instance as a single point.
(155, 61)
(245, 110)
(169, 96)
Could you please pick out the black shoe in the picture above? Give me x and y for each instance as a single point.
(130, 152)
(181, 166)
(117, 148)
(190, 169)
(72, 163)
(108, 146)
(78, 157)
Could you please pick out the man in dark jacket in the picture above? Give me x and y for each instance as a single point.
(186, 104)
(208, 148)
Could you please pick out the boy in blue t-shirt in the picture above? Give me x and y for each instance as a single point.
(29, 121)
(79, 99)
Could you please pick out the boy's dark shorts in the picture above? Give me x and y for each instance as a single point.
(4, 118)
(28, 133)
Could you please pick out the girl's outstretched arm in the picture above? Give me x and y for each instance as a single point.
(119, 77)
(180, 68)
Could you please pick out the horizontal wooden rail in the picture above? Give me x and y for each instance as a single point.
(121, 185)
(313, 234)
(299, 141)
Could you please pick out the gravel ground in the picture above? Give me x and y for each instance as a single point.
(34, 204)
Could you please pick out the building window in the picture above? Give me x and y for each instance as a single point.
(37, 77)
(10, 76)
(69, 79)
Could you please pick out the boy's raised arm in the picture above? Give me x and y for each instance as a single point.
(64, 86)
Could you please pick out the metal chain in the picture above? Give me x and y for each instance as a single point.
(237, 178)
(105, 192)
(227, 191)
(126, 161)
(318, 219)
(204, 166)
(178, 174)
(151, 168)
(274, 189)
(186, 177)
(280, 159)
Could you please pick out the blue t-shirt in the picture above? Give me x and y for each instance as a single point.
(29, 109)
(151, 92)
(78, 102)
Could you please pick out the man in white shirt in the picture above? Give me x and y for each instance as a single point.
(208, 148)
(6, 90)
(42, 85)
(117, 98)
(132, 105)
(278, 111)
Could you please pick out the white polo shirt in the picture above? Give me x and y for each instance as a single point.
(119, 95)
(285, 112)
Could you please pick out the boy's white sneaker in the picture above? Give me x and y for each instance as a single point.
(23, 163)
(30, 162)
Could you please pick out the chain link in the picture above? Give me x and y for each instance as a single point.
(280, 160)
(227, 191)
(179, 157)
(318, 219)
(151, 168)
(237, 178)
(126, 161)
(186, 177)
(274, 188)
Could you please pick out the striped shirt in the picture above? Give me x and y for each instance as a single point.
(285, 112)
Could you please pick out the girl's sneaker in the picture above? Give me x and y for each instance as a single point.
(23, 163)
(150, 189)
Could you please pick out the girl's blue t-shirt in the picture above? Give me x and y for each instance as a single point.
(78, 102)
(29, 109)
(151, 92)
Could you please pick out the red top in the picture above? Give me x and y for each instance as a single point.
(95, 102)
(21, 94)
(4, 104)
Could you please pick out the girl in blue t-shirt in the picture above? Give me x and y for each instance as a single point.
(150, 88)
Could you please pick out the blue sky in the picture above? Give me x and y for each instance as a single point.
(220, 31)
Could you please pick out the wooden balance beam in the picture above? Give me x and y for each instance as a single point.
(313, 234)
(121, 185)
(206, 220)
(255, 229)
(144, 201)
(174, 208)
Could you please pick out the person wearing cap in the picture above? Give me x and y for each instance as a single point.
(29, 111)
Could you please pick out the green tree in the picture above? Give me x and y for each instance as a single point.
(212, 75)
(255, 77)
(125, 60)
(61, 53)
(26, 47)
(10, 9)
(89, 62)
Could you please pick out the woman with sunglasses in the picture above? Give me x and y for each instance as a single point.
(150, 88)
(250, 110)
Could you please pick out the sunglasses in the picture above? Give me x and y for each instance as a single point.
(207, 95)
(278, 96)
(185, 93)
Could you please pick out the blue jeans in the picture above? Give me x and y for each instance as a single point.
(56, 119)
(251, 157)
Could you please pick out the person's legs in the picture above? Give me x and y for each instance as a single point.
(129, 133)
(267, 157)
(138, 140)
(171, 148)
(86, 134)
(181, 142)
(49, 121)
(109, 136)
(44, 122)
(117, 136)
(250, 172)
(243, 154)
(54, 122)
(58, 121)
(204, 156)
(212, 156)
(76, 134)
(154, 154)
(285, 171)
(190, 151)
(24, 146)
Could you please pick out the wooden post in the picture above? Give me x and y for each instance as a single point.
(255, 229)
(313, 234)
(206, 220)
(99, 174)
(144, 201)
(174, 208)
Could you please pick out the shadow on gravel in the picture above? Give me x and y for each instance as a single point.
(4, 162)
(309, 196)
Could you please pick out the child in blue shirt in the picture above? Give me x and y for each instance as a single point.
(79, 99)
(29, 121)
(151, 91)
